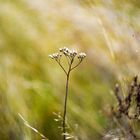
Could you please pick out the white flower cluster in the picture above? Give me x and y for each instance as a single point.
(55, 55)
(67, 52)
(81, 55)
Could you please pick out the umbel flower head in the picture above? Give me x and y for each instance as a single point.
(68, 52)
(81, 56)
(55, 56)
(70, 55)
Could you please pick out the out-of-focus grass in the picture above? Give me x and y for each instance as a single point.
(108, 31)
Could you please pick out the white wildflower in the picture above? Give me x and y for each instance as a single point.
(55, 56)
(81, 55)
(73, 53)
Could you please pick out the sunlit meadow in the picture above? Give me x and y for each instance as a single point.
(108, 31)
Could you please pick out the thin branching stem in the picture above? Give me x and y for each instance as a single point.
(61, 66)
(76, 65)
(68, 60)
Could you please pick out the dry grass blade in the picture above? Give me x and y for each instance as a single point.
(32, 128)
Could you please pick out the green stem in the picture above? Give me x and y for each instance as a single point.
(65, 108)
(76, 65)
(65, 104)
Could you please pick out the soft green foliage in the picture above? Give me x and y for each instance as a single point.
(107, 30)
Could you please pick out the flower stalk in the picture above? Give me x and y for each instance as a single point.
(70, 56)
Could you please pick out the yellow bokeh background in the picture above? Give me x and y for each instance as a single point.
(31, 84)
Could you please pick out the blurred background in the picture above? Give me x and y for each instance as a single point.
(33, 85)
